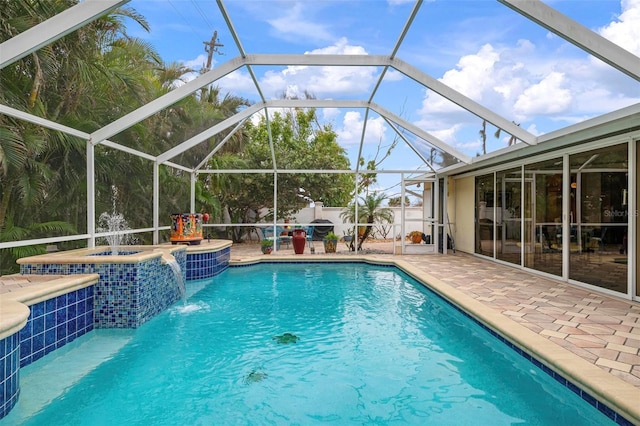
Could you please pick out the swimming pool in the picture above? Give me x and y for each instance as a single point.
(371, 347)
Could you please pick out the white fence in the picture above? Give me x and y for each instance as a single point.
(309, 214)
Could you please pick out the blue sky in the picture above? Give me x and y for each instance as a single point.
(479, 47)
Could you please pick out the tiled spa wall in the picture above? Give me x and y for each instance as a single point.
(9, 377)
(127, 294)
(55, 322)
(207, 264)
(51, 324)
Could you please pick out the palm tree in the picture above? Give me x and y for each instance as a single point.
(83, 80)
(483, 136)
(512, 139)
(369, 211)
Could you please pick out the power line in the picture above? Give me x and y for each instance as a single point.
(202, 14)
(184, 19)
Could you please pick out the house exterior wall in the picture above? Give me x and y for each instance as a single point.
(463, 195)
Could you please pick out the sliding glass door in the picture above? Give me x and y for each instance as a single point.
(544, 236)
(599, 217)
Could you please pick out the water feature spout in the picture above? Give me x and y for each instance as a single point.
(114, 225)
(177, 273)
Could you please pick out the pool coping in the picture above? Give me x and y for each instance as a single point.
(95, 255)
(610, 390)
(14, 305)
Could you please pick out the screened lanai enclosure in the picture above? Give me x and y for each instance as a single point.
(266, 115)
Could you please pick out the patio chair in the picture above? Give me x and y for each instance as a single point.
(268, 235)
(310, 236)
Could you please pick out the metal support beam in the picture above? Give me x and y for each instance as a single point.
(566, 218)
(156, 203)
(54, 28)
(192, 198)
(282, 59)
(364, 131)
(91, 196)
(21, 115)
(578, 35)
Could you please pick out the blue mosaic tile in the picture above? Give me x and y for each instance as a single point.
(51, 324)
(37, 342)
(37, 310)
(9, 372)
(61, 301)
(50, 305)
(50, 337)
(61, 315)
(126, 296)
(61, 333)
(37, 325)
(208, 264)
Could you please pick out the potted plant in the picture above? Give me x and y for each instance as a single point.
(266, 246)
(330, 242)
(415, 237)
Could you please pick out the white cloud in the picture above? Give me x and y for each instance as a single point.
(469, 146)
(546, 97)
(533, 129)
(351, 131)
(293, 24)
(446, 134)
(625, 31)
(197, 63)
(330, 114)
(474, 72)
(524, 83)
(341, 47)
(237, 82)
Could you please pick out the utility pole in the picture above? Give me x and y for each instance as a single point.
(211, 47)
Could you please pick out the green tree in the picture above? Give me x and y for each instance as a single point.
(483, 136)
(83, 80)
(397, 201)
(299, 143)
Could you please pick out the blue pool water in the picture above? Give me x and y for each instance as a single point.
(373, 348)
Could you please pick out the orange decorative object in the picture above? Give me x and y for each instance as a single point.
(186, 228)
